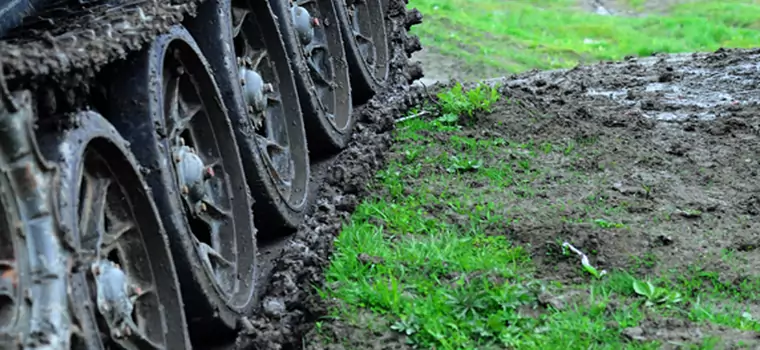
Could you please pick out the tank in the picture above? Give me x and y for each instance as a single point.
(151, 150)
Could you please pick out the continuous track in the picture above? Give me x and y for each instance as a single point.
(160, 153)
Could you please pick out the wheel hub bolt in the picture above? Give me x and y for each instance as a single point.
(254, 89)
(209, 173)
(191, 173)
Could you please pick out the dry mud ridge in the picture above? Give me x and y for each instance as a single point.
(675, 144)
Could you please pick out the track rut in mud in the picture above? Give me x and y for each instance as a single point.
(685, 126)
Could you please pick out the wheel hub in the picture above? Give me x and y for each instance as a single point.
(116, 297)
(192, 174)
(304, 24)
(254, 89)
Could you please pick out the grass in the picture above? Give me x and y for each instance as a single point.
(422, 253)
(519, 35)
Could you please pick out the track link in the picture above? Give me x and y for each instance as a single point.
(39, 266)
(89, 38)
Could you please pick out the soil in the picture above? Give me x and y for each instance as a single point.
(675, 144)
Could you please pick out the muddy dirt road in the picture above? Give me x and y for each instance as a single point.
(673, 144)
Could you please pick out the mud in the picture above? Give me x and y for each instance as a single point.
(673, 143)
(85, 39)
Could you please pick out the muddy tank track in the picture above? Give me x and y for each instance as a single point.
(87, 39)
(60, 57)
(289, 303)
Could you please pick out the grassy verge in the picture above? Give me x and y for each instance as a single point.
(430, 256)
(518, 35)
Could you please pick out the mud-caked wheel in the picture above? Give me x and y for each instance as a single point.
(33, 263)
(167, 105)
(125, 293)
(363, 26)
(313, 40)
(243, 41)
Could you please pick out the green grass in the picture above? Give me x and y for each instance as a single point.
(422, 255)
(525, 34)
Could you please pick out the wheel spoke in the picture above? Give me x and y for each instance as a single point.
(188, 109)
(279, 162)
(274, 97)
(171, 97)
(117, 230)
(316, 71)
(317, 74)
(363, 38)
(214, 212)
(137, 333)
(92, 219)
(182, 109)
(238, 18)
(256, 57)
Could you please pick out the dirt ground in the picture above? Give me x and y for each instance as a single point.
(673, 144)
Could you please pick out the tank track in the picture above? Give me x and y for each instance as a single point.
(28, 178)
(87, 39)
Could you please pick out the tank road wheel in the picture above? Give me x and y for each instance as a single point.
(33, 266)
(180, 132)
(313, 40)
(362, 23)
(128, 288)
(264, 106)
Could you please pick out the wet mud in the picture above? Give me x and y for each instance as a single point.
(672, 143)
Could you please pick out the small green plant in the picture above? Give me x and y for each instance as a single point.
(458, 102)
(655, 295)
(464, 164)
(607, 224)
(407, 326)
(448, 118)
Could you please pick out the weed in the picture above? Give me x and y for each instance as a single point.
(457, 103)
(656, 295)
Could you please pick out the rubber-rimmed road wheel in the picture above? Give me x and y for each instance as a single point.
(33, 263)
(362, 23)
(167, 105)
(243, 41)
(127, 294)
(314, 43)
